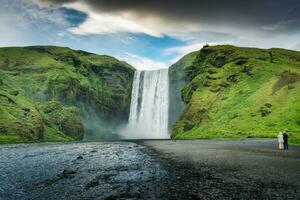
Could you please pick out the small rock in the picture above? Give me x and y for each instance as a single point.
(220, 61)
(93, 183)
(241, 61)
(79, 157)
(68, 171)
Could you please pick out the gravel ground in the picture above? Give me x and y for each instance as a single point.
(251, 169)
(150, 169)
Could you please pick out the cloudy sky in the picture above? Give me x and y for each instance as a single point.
(149, 34)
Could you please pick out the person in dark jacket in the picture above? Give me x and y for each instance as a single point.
(285, 140)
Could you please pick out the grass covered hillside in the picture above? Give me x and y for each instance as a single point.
(233, 92)
(52, 93)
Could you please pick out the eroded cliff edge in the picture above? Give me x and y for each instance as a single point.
(234, 92)
(50, 93)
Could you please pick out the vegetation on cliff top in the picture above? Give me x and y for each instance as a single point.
(52, 93)
(233, 92)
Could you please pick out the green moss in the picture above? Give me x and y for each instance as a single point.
(53, 135)
(62, 119)
(246, 94)
(8, 139)
(72, 83)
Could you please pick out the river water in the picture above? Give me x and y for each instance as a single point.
(102, 170)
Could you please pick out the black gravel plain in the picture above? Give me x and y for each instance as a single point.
(150, 169)
(250, 169)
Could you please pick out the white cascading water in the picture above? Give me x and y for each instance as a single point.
(149, 108)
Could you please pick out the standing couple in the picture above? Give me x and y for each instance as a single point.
(283, 140)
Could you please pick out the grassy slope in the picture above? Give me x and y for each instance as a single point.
(45, 91)
(240, 92)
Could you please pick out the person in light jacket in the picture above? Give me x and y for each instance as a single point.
(280, 140)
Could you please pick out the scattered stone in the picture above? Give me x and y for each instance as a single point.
(68, 172)
(79, 157)
(219, 61)
(241, 61)
(188, 126)
(93, 183)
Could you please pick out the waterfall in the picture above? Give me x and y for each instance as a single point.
(149, 108)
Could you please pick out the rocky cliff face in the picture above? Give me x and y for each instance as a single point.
(55, 93)
(237, 92)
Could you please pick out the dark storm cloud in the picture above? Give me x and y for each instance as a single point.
(273, 15)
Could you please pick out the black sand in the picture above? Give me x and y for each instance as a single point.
(251, 169)
(158, 169)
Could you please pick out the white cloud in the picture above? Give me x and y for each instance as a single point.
(129, 22)
(196, 34)
(180, 51)
(143, 63)
(109, 23)
(185, 49)
(105, 23)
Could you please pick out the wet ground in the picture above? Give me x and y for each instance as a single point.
(158, 169)
(79, 171)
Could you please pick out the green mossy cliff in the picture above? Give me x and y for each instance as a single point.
(232, 92)
(52, 93)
